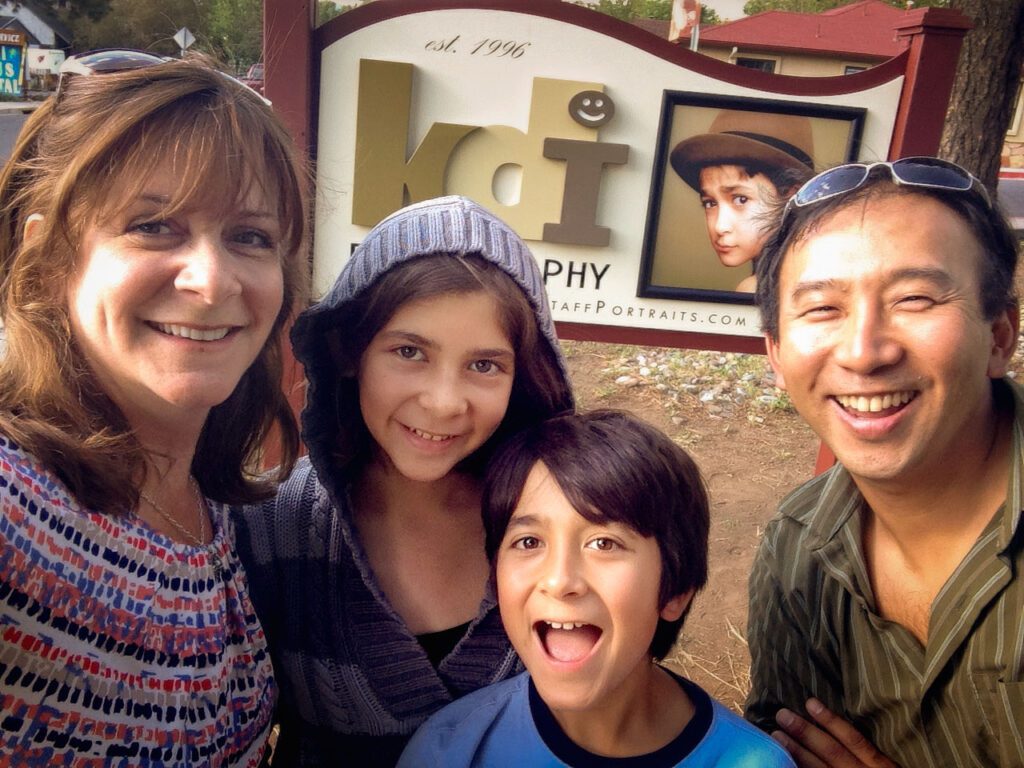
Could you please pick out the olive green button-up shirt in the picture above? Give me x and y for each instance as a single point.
(814, 631)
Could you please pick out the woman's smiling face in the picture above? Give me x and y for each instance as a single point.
(170, 310)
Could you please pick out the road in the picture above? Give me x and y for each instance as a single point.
(1011, 200)
(10, 124)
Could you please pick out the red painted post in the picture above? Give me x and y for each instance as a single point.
(288, 64)
(288, 83)
(936, 35)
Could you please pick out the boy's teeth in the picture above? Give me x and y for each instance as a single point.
(875, 403)
(569, 641)
(195, 334)
(429, 435)
(565, 624)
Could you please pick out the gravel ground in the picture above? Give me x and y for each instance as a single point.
(726, 384)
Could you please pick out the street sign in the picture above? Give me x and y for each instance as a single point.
(184, 39)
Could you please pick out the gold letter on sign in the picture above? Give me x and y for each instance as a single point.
(478, 158)
(382, 173)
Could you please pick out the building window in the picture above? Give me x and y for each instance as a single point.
(764, 65)
(852, 69)
(1018, 109)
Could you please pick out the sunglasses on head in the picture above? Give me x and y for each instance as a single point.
(106, 61)
(925, 172)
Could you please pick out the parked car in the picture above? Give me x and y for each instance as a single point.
(254, 77)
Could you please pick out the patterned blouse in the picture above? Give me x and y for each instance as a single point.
(119, 646)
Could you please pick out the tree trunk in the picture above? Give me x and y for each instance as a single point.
(982, 101)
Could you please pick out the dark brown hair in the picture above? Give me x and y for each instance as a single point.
(539, 389)
(612, 466)
(783, 180)
(112, 130)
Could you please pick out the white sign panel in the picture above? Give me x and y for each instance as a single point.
(595, 150)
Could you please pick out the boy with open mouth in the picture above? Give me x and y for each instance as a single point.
(597, 529)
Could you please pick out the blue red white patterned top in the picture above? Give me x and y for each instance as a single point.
(119, 646)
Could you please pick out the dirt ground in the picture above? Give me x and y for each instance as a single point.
(750, 458)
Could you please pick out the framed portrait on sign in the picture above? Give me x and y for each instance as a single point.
(722, 164)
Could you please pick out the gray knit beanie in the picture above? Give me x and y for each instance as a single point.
(452, 224)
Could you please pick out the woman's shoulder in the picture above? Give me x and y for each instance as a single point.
(43, 524)
(37, 512)
(747, 285)
(80, 564)
(24, 479)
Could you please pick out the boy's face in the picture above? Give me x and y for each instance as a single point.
(734, 208)
(579, 600)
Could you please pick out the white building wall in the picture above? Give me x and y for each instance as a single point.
(35, 25)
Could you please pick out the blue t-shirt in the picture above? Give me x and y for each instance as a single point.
(507, 724)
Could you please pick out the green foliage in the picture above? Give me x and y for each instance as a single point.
(230, 30)
(328, 9)
(709, 16)
(632, 9)
(234, 31)
(144, 24)
(77, 9)
(817, 6)
(656, 9)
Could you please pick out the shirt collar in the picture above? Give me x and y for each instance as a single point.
(1012, 510)
(840, 498)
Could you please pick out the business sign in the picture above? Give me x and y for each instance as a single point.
(45, 61)
(12, 64)
(597, 142)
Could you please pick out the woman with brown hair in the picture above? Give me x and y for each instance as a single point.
(152, 244)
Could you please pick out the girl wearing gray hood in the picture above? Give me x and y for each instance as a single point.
(368, 569)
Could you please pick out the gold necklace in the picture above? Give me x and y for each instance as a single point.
(201, 540)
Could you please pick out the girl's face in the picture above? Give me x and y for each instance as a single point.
(734, 208)
(171, 310)
(434, 382)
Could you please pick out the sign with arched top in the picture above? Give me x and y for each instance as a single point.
(635, 169)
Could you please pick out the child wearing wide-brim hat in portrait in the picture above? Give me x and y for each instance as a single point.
(744, 164)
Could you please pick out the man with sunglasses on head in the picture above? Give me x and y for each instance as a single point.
(887, 598)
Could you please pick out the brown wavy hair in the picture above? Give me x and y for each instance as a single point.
(222, 142)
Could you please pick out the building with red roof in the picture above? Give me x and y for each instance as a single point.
(845, 39)
(836, 42)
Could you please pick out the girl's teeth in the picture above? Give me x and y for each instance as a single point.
(565, 624)
(429, 435)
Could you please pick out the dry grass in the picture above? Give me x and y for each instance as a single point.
(697, 660)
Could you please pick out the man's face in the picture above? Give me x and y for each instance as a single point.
(734, 209)
(882, 342)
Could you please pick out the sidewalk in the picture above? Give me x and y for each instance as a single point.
(12, 107)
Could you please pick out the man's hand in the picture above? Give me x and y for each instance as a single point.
(832, 743)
